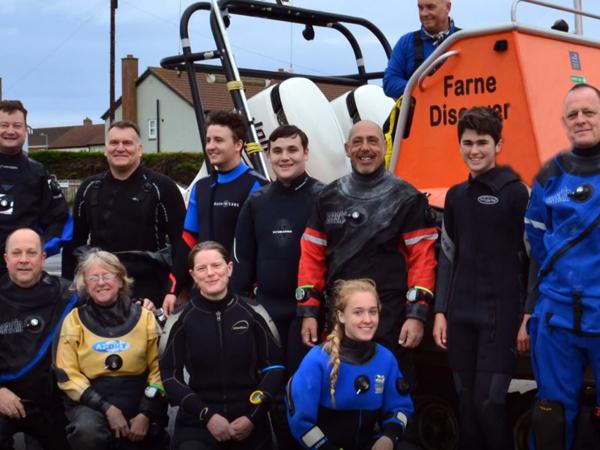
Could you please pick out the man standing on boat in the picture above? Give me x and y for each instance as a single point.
(415, 47)
(563, 227)
(131, 211)
(370, 224)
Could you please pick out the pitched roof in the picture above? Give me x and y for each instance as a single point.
(81, 136)
(74, 136)
(214, 93)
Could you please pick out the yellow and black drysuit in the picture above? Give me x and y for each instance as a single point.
(108, 356)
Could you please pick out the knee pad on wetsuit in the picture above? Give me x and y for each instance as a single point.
(548, 421)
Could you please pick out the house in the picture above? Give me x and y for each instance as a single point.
(160, 101)
(87, 137)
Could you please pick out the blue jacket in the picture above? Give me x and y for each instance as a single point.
(316, 423)
(402, 62)
(556, 216)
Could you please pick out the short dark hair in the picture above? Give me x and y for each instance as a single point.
(284, 131)
(123, 124)
(207, 245)
(232, 120)
(11, 106)
(578, 86)
(482, 120)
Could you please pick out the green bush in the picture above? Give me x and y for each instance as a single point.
(181, 167)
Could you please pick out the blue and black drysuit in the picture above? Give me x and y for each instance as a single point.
(563, 227)
(370, 390)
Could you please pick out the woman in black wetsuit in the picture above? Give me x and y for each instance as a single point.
(228, 347)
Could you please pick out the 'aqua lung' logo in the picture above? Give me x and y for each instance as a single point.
(111, 346)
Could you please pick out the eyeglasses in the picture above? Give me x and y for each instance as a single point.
(104, 277)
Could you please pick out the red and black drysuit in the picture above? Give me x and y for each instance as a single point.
(375, 226)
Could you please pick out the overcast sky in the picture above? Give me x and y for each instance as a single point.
(54, 55)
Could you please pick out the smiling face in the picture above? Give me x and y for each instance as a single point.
(582, 117)
(287, 158)
(478, 151)
(24, 258)
(13, 131)
(433, 14)
(101, 284)
(222, 149)
(360, 317)
(366, 147)
(211, 273)
(123, 151)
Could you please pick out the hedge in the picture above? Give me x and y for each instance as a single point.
(181, 167)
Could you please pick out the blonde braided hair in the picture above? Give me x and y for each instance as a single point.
(343, 290)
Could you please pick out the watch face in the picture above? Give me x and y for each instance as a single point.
(257, 397)
(300, 293)
(150, 392)
(411, 295)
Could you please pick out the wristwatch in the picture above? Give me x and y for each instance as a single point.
(417, 294)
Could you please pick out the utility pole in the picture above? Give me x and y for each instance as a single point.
(113, 6)
(578, 17)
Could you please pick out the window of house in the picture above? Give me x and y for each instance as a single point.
(152, 129)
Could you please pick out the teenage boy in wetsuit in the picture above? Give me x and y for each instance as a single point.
(481, 283)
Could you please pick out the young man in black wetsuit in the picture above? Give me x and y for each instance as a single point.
(216, 200)
(131, 211)
(481, 283)
(266, 249)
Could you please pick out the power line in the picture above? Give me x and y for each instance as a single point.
(36, 66)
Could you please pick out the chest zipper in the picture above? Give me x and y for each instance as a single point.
(222, 360)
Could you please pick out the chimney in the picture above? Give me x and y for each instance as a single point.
(87, 122)
(129, 75)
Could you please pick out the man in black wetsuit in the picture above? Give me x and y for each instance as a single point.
(131, 211)
(266, 249)
(29, 195)
(32, 304)
(216, 200)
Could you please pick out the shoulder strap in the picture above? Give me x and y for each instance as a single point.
(419, 51)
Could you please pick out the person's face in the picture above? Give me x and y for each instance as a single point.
(222, 149)
(123, 150)
(24, 258)
(102, 285)
(360, 317)
(433, 14)
(366, 147)
(478, 151)
(287, 158)
(582, 118)
(13, 131)
(211, 274)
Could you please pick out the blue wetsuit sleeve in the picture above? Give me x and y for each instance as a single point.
(244, 253)
(260, 182)
(537, 222)
(303, 399)
(191, 223)
(396, 74)
(397, 405)
(53, 245)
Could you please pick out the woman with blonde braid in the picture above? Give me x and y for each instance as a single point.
(349, 392)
